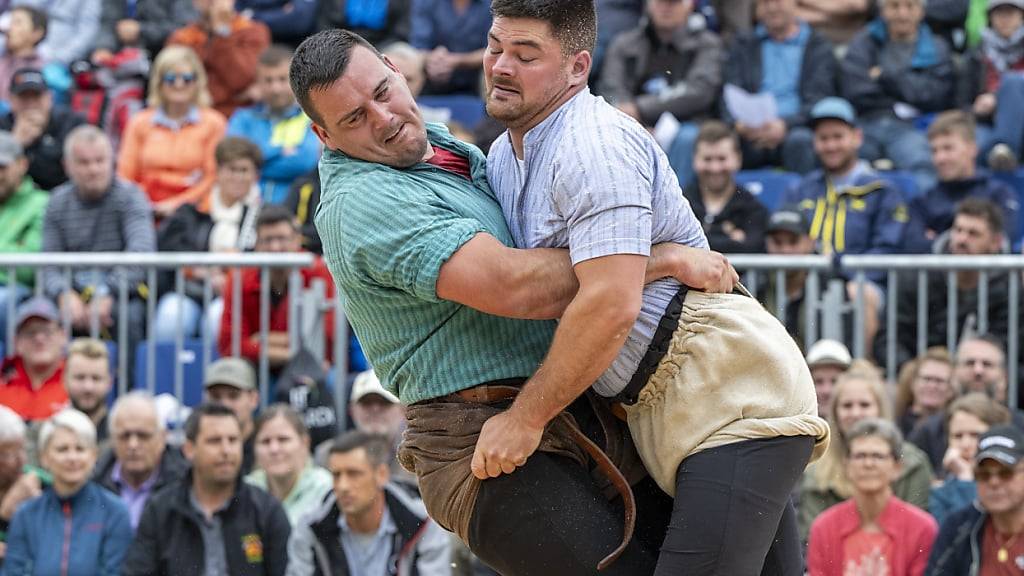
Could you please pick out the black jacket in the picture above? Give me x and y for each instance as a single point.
(188, 230)
(819, 72)
(925, 82)
(46, 154)
(937, 308)
(169, 541)
(957, 547)
(743, 211)
(171, 469)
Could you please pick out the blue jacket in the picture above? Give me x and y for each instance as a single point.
(288, 20)
(867, 217)
(957, 548)
(935, 210)
(953, 495)
(87, 534)
(289, 146)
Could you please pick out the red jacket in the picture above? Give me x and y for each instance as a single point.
(17, 394)
(911, 529)
(249, 322)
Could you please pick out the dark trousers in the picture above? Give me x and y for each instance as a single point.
(548, 518)
(732, 514)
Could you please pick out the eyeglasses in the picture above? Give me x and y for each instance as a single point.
(1002, 472)
(872, 456)
(171, 78)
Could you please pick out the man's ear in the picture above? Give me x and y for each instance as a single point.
(579, 71)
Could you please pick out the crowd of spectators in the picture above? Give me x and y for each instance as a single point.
(193, 142)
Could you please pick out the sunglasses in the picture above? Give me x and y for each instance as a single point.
(172, 78)
(1003, 473)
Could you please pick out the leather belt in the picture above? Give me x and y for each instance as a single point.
(485, 394)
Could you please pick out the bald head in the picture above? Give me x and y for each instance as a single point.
(139, 436)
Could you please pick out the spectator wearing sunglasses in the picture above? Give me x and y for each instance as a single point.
(985, 537)
(168, 148)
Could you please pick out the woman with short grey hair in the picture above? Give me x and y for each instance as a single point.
(75, 527)
(874, 532)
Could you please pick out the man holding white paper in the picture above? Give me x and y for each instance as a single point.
(783, 60)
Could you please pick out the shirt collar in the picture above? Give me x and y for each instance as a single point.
(118, 479)
(161, 118)
(289, 112)
(537, 132)
(387, 525)
(802, 34)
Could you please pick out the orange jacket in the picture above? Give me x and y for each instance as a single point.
(230, 60)
(168, 163)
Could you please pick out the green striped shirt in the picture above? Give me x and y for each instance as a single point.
(386, 232)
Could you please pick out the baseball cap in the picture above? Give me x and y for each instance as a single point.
(993, 4)
(788, 220)
(27, 80)
(833, 108)
(37, 307)
(827, 352)
(368, 383)
(10, 148)
(1003, 443)
(233, 372)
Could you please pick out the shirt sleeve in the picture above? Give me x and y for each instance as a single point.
(603, 190)
(400, 240)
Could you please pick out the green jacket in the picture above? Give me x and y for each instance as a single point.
(913, 486)
(309, 491)
(21, 226)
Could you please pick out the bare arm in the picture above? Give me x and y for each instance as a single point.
(588, 338)
(540, 283)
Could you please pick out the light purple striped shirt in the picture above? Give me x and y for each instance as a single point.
(597, 183)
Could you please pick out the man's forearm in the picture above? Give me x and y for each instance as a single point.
(589, 337)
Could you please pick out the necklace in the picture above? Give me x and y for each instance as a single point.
(1003, 554)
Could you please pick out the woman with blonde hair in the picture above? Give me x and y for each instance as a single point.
(925, 388)
(168, 148)
(859, 394)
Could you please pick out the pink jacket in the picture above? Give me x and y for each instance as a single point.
(911, 529)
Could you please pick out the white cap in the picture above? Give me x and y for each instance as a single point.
(368, 383)
(829, 353)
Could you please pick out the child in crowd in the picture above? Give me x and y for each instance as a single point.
(1001, 83)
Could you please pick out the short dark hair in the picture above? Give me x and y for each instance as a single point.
(953, 122)
(207, 409)
(377, 447)
(233, 148)
(319, 61)
(988, 338)
(274, 214)
(573, 22)
(275, 55)
(714, 131)
(38, 18)
(984, 209)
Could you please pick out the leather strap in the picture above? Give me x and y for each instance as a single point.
(491, 394)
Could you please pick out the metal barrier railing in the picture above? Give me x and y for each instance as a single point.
(147, 265)
(856, 268)
(756, 268)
